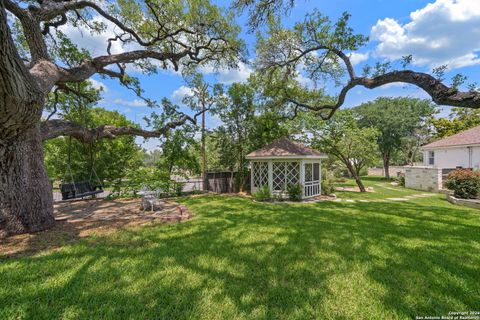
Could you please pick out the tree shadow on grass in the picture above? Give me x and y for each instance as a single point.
(240, 259)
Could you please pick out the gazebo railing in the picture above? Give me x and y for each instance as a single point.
(312, 188)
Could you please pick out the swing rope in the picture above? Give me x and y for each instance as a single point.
(69, 167)
(94, 172)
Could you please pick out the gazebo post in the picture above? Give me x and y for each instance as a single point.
(302, 177)
(320, 176)
(270, 175)
(252, 167)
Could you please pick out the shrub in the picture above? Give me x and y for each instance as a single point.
(139, 179)
(295, 191)
(328, 187)
(328, 182)
(177, 188)
(401, 180)
(464, 183)
(263, 194)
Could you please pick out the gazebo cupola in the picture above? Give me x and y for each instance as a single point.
(285, 162)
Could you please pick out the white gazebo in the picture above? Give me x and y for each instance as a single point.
(285, 162)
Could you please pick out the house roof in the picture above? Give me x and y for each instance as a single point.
(285, 148)
(467, 137)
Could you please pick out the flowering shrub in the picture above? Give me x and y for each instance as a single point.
(464, 183)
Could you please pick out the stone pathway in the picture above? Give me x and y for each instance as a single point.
(398, 199)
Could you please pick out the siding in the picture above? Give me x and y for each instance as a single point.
(454, 157)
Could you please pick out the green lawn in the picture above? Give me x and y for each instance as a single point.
(243, 260)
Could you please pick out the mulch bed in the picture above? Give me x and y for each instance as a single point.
(80, 219)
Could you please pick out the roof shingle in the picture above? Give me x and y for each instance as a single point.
(284, 147)
(467, 137)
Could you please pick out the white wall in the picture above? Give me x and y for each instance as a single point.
(454, 157)
(476, 157)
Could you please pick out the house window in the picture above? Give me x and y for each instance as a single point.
(431, 158)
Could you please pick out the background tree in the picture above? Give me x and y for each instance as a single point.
(459, 120)
(233, 135)
(111, 159)
(249, 122)
(396, 119)
(203, 98)
(409, 151)
(342, 138)
(178, 146)
(67, 158)
(174, 34)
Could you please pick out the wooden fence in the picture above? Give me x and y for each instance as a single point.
(225, 181)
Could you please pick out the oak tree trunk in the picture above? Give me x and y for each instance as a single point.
(26, 200)
(359, 183)
(386, 165)
(355, 176)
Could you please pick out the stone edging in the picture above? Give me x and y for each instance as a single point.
(472, 203)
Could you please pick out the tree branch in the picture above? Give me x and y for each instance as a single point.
(31, 29)
(97, 65)
(54, 9)
(439, 92)
(55, 128)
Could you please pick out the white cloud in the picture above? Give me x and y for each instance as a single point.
(443, 32)
(235, 75)
(95, 43)
(148, 144)
(304, 81)
(178, 95)
(130, 103)
(229, 76)
(357, 57)
(98, 85)
(394, 85)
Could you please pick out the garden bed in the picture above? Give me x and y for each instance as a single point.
(472, 203)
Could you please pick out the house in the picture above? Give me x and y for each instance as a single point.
(285, 162)
(440, 157)
(459, 150)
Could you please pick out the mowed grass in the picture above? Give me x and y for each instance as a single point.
(382, 189)
(238, 259)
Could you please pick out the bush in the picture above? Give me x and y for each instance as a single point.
(263, 194)
(401, 180)
(139, 179)
(464, 183)
(363, 172)
(328, 187)
(328, 182)
(177, 188)
(295, 191)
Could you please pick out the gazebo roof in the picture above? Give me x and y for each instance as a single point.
(285, 148)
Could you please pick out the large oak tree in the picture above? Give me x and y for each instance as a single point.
(318, 49)
(176, 34)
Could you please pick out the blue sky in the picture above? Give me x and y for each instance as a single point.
(435, 32)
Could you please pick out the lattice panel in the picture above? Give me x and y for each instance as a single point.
(260, 174)
(285, 173)
(279, 176)
(292, 170)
